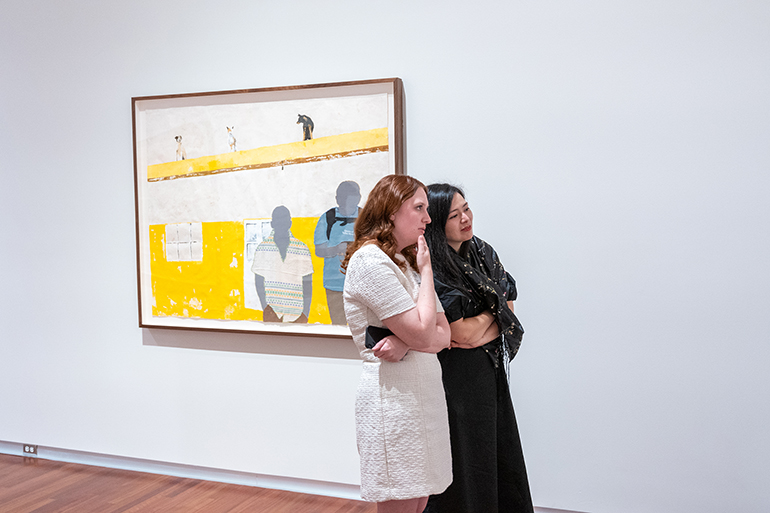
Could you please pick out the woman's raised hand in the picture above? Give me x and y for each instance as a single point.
(423, 255)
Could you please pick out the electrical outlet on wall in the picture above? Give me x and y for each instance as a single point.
(30, 449)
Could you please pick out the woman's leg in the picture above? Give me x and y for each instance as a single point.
(405, 506)
(514, 494)
(471, 396)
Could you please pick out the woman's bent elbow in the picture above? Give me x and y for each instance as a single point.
(429, 340)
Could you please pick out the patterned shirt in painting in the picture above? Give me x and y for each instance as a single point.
(283, 276)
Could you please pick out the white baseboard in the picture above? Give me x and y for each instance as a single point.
(291, 484)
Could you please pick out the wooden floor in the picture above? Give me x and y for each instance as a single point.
(41, 486)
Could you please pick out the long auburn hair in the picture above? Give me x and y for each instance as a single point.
(440, 197)
(374, 224)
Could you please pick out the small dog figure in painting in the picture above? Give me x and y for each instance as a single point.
(231, 138)
(180, 153)
(307, 126)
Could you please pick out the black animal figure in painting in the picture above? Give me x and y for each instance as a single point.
(307, 126)
(180, 153)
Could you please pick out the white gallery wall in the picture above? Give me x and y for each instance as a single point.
(616, 154)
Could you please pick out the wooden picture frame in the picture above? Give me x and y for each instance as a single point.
(218, 177)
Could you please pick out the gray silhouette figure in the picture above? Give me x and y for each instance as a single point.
(283, 272)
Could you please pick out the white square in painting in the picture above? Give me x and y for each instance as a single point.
(196, 232)
(196, 251)
(171, 233)
(184, 252)
(184, 232)
(184, 242)
(172, 253)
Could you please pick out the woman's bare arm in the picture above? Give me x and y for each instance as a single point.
(442, 335)
(491, 333)
(470, 329)
(419, 327)
(466, 333)
(393, 349)
(413, 331)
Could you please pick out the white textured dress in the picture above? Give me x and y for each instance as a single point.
(401, 415)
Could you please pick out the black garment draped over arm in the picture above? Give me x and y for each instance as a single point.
(484, 285)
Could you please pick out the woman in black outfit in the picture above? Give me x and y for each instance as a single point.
(477, 295)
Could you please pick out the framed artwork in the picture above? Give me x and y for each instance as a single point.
(246, 200)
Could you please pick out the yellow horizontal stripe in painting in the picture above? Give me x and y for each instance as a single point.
(268, 156)
(213, 287)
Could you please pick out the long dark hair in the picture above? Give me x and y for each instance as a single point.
(374, 223)
(440, 197)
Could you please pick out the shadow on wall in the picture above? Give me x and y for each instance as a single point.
(341, 348)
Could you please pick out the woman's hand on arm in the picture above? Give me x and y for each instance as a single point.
(390, 349)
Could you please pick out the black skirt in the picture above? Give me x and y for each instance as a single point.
(487, 461)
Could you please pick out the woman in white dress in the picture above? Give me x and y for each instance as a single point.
(401, 416)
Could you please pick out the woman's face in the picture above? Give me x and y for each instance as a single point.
(410, 220)
(459, 224)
